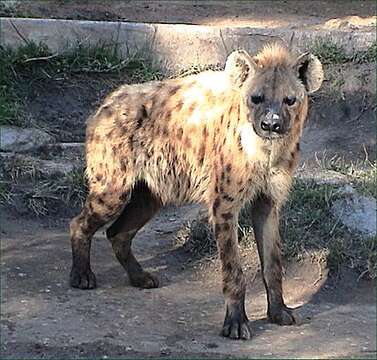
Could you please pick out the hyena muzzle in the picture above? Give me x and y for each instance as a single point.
(219, 138)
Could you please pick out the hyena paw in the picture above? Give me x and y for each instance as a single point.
(144, 280)
(284, 316)
(82, 279)
(236, 324)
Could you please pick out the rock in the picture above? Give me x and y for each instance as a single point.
(321, 177)
(356, 212)
(15, 139)
(47, 168)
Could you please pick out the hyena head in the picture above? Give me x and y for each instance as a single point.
(274, 86)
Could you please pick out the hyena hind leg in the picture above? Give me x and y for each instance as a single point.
(141, 208)
(99, 209)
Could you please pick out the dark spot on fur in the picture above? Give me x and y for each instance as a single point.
(163, 103)
(174, 90)
(228, 267)
(187, 142)
(205, 132)
(227, 216)
(123, 197)
(179, 133)
(215, 206)
(298, 146)
(143, 115)
(131, 142)
(218, 228)
(190, 109)
(228, 198)
(99, 177)
(201, 154)
(168, 115)
(228, 168)
(226, 227)
(228, 246)
(179, 105)
(100, 201)
(223, 175)
(239, 143)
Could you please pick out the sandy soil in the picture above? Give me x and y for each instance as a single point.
(346, 15)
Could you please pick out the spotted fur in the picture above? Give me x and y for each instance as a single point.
(193, 140)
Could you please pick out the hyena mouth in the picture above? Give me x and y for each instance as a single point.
(269, 135)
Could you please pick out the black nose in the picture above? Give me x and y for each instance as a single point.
(271, 125)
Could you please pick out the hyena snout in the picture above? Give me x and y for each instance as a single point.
(272, 123)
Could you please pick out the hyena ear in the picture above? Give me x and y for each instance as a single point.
(310, 72)
(240, 66)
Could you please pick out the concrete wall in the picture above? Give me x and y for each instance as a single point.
(173, 47)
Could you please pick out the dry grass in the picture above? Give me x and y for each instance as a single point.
(307, 228)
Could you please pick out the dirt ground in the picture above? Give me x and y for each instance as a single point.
(43, 317)
(300, 14)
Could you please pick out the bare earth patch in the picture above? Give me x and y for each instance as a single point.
(43, 317)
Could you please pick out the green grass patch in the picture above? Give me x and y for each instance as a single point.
(331, 53)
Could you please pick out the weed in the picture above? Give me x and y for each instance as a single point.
(369, 55)
(197, 238)
(307, 227)
(362, 174)
(331, 53)
(5, 193)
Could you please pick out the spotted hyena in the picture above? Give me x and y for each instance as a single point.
(219, 138)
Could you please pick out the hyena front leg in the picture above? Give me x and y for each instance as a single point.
(265, 217)
(236, 323)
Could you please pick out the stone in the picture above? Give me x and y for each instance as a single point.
(321, 177)
(16, 139)
(357, 212)
(47, 168)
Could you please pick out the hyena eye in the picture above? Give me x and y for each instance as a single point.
(290, 100)
(257, 99)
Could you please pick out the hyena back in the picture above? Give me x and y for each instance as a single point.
(219, 138)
